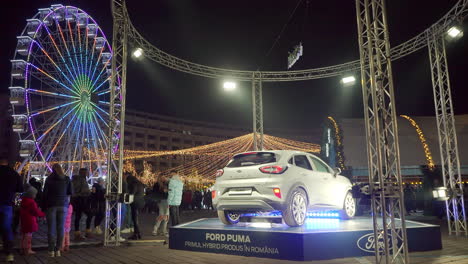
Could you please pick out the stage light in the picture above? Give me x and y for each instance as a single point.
(137, 53)
(323, 214)
(348, 80)
(454, 32)
(440, 194)
(260, 225)
(229, 86)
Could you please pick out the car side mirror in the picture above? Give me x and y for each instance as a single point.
(337, 171)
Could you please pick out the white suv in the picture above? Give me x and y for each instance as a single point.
(292, 182)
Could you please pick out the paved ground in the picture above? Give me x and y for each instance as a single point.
(455, 251)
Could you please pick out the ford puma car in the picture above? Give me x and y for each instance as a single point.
(292, 182)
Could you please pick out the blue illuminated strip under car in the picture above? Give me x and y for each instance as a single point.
(318, 214)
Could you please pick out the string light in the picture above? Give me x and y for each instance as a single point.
(199, 171)
(339, 144)
(422, 138)
(221, 148)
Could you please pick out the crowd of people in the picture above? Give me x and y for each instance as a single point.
(192, 198)
(63, 202)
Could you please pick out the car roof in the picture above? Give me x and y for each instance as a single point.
(280, 152)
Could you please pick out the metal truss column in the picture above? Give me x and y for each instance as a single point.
(257, 104)
(456, 216)
(385, 181)
(116, 123)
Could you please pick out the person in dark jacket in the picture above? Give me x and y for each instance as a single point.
(207, 199)
(80, 202)
(11, 184)
(187, 200)
(136, 188)
(98, 204)
(197, 199)
(160, 190)
(57, 191)
(125, 213)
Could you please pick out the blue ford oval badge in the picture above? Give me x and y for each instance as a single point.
(367, 243)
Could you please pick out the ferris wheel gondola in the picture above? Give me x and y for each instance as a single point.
(60, 87)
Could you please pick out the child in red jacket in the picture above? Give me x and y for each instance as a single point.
(28, 215)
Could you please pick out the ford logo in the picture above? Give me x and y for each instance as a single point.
(367, 243)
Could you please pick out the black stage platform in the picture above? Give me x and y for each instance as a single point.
(318, 239)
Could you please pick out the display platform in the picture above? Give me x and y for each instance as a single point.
(318, 239)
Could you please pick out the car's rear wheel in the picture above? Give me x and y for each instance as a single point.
(349, 207)
(228, 217)
(296, 210)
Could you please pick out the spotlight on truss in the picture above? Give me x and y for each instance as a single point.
(294, 55)
(455, 32)
(137, 53)
(229, 86)
(348, 80)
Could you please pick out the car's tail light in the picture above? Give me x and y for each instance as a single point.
(275, 169)
(277, 192)
(213, 194)
(219, 173)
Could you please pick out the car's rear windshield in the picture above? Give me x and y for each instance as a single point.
(250, 159)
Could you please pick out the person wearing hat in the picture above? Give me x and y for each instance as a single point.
(28, 215)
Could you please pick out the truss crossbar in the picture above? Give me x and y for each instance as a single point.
(457, 12)
(257, 110)
(116, 124)
(455, 207)
(381, 132)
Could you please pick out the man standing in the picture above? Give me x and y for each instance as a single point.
(174, 197)
(80, 202)
(11, 184)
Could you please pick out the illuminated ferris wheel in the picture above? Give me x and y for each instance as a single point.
(60, 85)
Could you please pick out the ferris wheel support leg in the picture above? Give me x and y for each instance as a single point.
(382, 133)
(455, 208)
(257, 110)
(116, 124)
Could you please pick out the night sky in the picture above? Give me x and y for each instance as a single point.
(238, 35)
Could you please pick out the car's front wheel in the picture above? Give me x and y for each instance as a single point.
(349, 207)
(296, 209)
(228, 218)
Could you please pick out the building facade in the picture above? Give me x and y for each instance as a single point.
(146, 131)
(412, 153)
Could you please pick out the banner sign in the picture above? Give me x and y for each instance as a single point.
(267, 243)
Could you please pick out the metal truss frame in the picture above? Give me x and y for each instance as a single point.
(457, 12)
(455, 207)
(257, 111)
(379, 105)
(382, 133)
(116, 124)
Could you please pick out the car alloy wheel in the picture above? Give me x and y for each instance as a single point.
(350, 205)
(299, 208)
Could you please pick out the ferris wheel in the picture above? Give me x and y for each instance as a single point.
(60, 85)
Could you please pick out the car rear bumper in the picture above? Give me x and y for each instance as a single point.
(248, 205)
